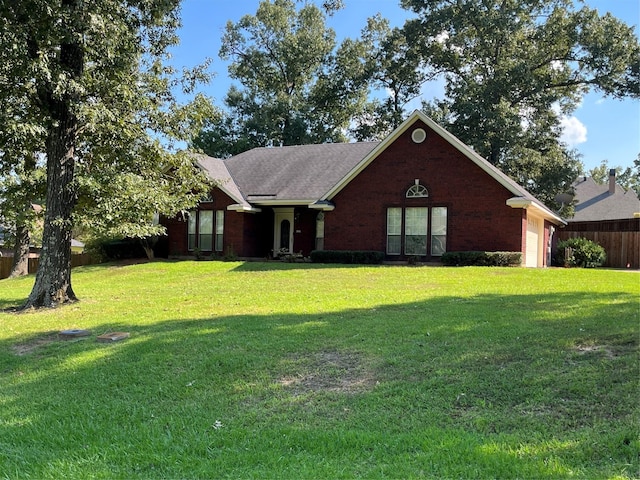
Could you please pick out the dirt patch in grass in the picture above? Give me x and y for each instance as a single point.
(34, 344)
(609, 347)
(328, 371)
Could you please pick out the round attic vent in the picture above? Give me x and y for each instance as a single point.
(418, 135)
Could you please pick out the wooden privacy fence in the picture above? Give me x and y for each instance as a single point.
(623, 248)
(77, 260)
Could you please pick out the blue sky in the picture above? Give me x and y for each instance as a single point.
(600, 129)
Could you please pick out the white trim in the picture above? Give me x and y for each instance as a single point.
(277, 203)
(525, 203)
(323, 206)
(419, 135)
(281, 214)
(243, 208)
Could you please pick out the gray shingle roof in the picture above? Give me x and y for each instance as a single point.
(217, 170)
(307, 174)
(302, 173)
(594, 202)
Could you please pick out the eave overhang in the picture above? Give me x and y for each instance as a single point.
(322, 205)
(529, 204)
(243, 208)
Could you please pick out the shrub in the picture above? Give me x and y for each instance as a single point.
(482, 259)
(581, 252)
(361, 257)
(106, 249)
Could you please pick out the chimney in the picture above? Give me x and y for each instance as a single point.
(612, 181)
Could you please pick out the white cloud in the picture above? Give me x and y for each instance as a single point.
(574, 132)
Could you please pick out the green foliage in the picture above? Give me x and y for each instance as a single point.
(109, 249)
(482, 259)
(361, 257)
(514, 68)
(394, 66)
(580, 252)
(88, 84)
(298, 85)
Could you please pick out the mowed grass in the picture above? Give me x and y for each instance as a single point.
(268, 370)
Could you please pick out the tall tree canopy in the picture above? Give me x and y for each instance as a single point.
(395, 67)
(514, 67)
(298, 85)
(91, 76)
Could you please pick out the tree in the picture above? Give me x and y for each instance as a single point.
(514, 67)
(22, 177)
(94, 78)
(18, 192)
(298, 85)
(394, 66)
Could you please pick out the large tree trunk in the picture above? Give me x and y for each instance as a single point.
(20, 266)
(53, 280)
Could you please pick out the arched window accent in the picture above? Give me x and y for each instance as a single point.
(417, 191)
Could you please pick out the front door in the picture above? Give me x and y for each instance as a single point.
(283, 231)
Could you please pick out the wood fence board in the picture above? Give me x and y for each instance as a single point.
(77, 260)
(623, 248)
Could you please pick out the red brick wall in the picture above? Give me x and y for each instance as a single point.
(238, 237)
(478, 217)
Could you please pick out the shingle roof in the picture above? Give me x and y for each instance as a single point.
(217, 170)
(294, 173)
(307, 174)
(594, 202)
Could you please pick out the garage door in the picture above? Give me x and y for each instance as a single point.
(533, 235)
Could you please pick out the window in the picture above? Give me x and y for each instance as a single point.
(191, 230)
(205, 229)
(394, 230)
(320, 231)
(408, 231)
(219, 229)
(201, 228)
(415, 230)
(417, 191)
(438, 231)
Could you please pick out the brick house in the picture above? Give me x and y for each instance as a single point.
(418, 193)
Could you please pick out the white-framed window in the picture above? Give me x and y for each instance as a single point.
(205, 230)
(419, 231)
(394, 231)
(416, 221)
(201, 226)
(417, 191)
(192, 228)
(320, 231)
(438, 231)
(219, 230)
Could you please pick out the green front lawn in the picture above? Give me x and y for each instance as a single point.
(268, 370)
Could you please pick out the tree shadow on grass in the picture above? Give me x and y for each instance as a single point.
(486, 386)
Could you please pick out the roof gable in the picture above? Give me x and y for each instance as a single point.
(522, 198)
(217, 171)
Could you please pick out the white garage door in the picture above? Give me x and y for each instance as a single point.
(533, 235)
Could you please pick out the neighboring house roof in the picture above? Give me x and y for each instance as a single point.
(312, 175)
(596, 202)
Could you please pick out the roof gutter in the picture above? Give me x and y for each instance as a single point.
(322, 205)
(236, 207)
